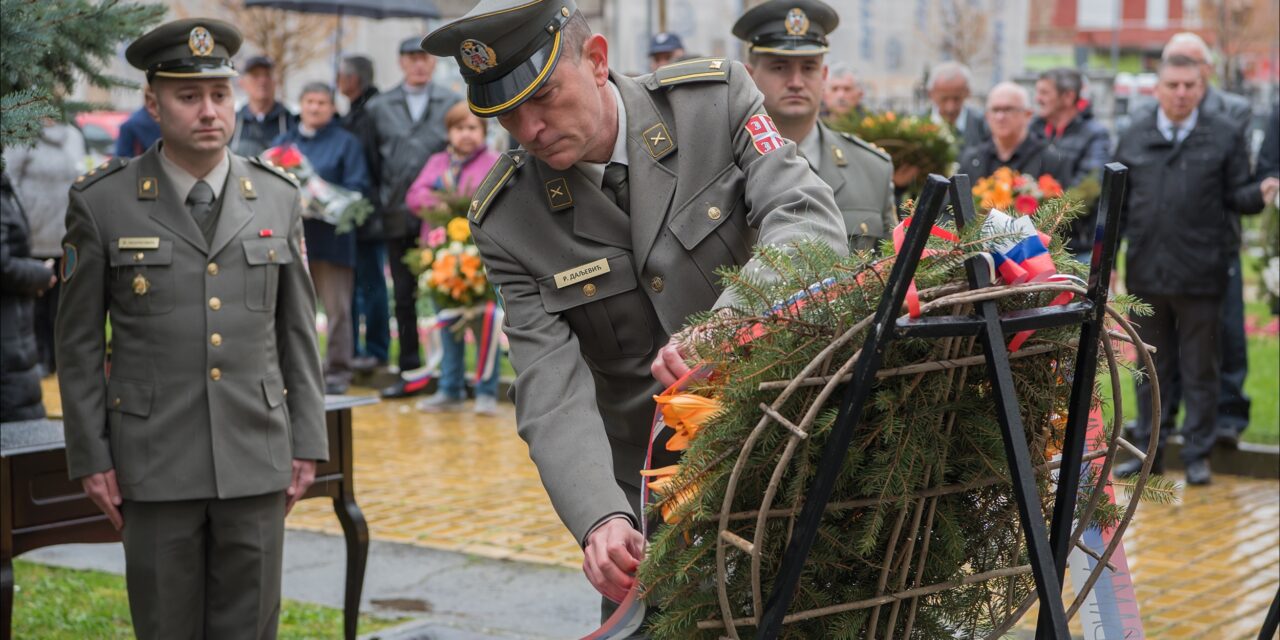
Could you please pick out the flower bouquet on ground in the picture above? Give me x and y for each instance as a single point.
(910, 140)
(921, 537)
(322, 200)
(1021, 192)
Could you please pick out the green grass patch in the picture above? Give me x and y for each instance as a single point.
(52, 603)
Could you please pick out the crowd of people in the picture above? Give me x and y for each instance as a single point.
(592, 300)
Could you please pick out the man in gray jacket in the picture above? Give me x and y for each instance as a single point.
(604, 233)
(408, 123)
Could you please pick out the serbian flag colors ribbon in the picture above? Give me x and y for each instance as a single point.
(1020, 254)
(764, 134)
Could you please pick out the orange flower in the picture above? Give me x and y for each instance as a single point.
(890, 116)
(1050, 187)
(685, 413)
(672, 499)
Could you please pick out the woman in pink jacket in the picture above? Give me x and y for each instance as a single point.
(459, 169)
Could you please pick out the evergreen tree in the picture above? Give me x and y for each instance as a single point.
(46, 46)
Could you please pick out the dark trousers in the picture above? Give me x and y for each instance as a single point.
(1185, 331)
(1233, 404)
(46, 313)
(205, 568)
(370, 304)
(406, 298)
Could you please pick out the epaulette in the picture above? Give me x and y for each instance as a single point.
(97, 173)
(869, 146)
(696, 70)
(279, 172)
(498, 178)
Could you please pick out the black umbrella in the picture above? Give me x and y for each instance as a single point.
(376, 9)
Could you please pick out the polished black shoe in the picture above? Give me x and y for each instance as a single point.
(1198, 472)
(1132, 466)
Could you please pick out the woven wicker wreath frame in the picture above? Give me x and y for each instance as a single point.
(897, 591)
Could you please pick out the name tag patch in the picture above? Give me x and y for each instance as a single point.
(138, 243)
(582, 272)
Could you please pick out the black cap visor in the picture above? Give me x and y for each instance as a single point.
(781, 45)
(195, 67)
(499, 96)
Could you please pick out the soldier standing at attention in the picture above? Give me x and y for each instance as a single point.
(603, 234)
(206, 430)
(788, 40)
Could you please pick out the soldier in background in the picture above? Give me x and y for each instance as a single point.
(209, 425)
(788, 41)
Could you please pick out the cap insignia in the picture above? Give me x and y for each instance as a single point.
(478, 56)
(797, 23)
(200, 41)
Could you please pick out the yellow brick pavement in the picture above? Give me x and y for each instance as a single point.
(1204, 568)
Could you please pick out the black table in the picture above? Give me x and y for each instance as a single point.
(41, 507)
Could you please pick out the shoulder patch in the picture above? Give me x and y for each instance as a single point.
(499, 176)
(695, 70)
(257, 161)
(873, 148)
(97, 173)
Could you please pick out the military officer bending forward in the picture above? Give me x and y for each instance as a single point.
(208, 426)
(604, 233)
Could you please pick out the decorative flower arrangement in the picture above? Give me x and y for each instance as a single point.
(1009, 191)
(322, 200)
(450, 272)
(909, 140)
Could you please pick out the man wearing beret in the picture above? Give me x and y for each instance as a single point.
(788, 43)
(203, 430)
(604, 233)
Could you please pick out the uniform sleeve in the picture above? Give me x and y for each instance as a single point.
(299, 351)
(785, 199)
(80, 343)
(555, 397)
(890, 212)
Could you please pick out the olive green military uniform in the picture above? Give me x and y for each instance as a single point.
(861, 177)
(860, 174)
(594, 290)
(214, 383)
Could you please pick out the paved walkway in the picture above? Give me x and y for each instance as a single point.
(1207, 567)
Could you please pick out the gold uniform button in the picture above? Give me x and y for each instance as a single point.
(139, 256)
(657, 284)
(213, 268)
(116, 402)
(588, 290)
(215, 303)
(714, 213)
(215, 373)
(271, 255)
(216, 339)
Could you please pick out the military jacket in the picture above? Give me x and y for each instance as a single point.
(214, 382)
(861, 177)
(592, 293)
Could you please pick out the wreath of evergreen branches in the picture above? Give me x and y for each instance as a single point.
(901, 444)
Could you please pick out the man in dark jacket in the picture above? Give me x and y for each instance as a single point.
(262, 119)
(370, 303)
(22, 278)
(408, 128)
(1187, 175)
(137, 134)
(1083, 142)
(1010, 144)
(949, 85)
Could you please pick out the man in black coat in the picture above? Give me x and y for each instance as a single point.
(1010, 144)
(1188, 175)
(22, 278)
(262, 119)
(370, 304)
(1084, 143)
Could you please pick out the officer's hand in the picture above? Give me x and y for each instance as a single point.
(613, 553)
(669, 365)
(1270, 188)
(304, 473)
(905, 174)
(103, 490)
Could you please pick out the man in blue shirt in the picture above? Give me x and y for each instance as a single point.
(137, 134)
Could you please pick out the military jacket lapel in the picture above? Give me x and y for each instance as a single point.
(236, 211)
(163, 203)
(650, 140)
(595, 216)
(829, 167)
